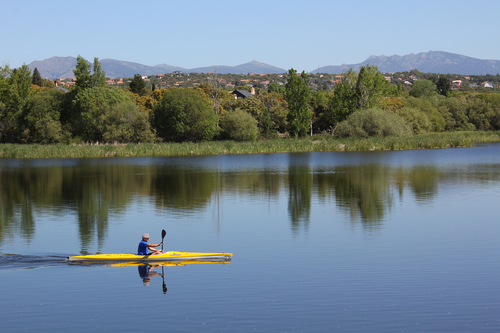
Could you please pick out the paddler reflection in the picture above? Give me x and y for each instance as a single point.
(146, 272)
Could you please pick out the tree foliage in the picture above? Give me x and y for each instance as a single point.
(84, 78)
(89, 106)
(137, 85)
(184, 115)
(422, 88)
(125, 122)
(41, 118)
(297, 96)
(36, 78)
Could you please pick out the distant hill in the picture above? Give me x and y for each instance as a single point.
(250, 67)
(55, 67)
(62, 67)
(429, 62)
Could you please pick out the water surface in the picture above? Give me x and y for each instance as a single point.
(331, 241)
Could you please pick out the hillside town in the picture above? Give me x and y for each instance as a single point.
(325, 82)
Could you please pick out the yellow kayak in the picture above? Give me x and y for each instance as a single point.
(167, 256)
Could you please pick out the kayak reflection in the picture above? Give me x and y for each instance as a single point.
(147, 271)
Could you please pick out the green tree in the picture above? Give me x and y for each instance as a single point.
(137, 85)
(5, 84)
(36, 78)
(82, 73)
(343, 102)
(371, 87)
(422, 88)
(125, 122)
(89, 106)
(277, 88)
(41, 118)
(443, 86)
(297, 95)
(184, 115)
(21, 83)
(99, 76)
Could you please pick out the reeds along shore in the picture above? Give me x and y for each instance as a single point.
(309, 144)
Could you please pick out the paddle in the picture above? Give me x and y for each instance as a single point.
(163, 276)
(163, 233)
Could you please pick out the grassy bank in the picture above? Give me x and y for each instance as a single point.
(317, 143)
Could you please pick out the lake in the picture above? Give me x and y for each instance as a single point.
(382, 241)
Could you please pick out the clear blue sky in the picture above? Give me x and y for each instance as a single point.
(298, 34)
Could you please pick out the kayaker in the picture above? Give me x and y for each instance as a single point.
(145, 272)
(144, 246)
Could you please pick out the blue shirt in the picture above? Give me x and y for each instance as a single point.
(143, 248)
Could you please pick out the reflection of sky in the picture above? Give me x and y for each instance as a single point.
(239, 213)
(431, 260)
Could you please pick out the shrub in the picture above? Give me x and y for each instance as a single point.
(373, 122)
(240, 126)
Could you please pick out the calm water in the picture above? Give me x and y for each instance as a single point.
(322, 242)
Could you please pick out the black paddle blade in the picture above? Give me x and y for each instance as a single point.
(163, 234)
(164, 288)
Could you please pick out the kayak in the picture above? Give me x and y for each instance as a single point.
(167, 256)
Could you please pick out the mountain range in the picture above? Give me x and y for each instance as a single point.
(427, 62)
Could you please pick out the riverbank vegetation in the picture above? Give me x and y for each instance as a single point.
(280, 145)
(361, 111)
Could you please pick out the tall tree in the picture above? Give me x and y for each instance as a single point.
(82, 73)
(137, 85)
(99, 76)
(297, 95)
(36, 78)
(443, 85)
(371, 86)
(343, 101)
(21, 83)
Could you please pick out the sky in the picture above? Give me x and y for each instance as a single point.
(303, 35)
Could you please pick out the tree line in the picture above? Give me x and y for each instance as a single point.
(362, 104)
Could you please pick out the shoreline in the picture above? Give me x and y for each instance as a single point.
(287, 145)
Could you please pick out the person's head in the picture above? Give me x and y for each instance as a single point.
(145, 237)
(146, 282)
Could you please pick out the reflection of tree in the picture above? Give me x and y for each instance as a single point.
(299, 187)
(361, 190)
(95, 189)
(180, 188)
(424, 182)
(21, 191)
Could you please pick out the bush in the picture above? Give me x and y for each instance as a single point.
(373, 122)
(240, 126)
